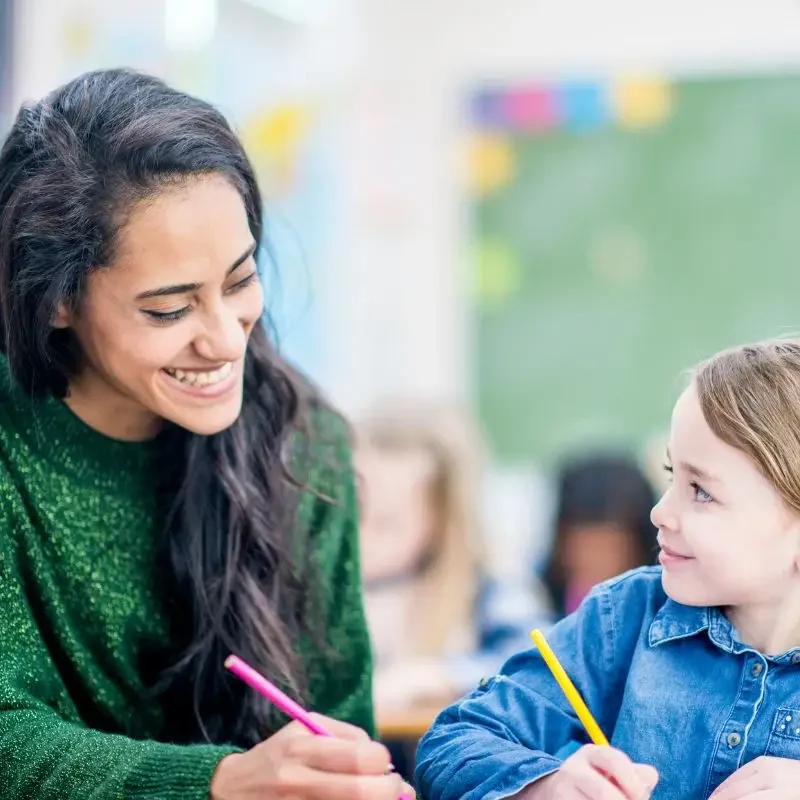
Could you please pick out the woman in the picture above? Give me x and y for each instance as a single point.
(170, 492)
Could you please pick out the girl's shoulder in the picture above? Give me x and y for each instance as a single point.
(623, 609)
(633, 598)
(639, 582)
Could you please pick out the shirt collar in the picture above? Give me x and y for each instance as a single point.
(675, 621)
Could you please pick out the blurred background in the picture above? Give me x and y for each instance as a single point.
(500, 230)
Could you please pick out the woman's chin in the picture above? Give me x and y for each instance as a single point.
(208, 421)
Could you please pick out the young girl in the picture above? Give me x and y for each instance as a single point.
(692, 669)
(170, 492)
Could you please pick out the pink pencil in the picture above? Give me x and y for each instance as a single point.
(256, 681)
(269, 690)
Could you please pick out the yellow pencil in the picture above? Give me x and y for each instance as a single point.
(568, 687)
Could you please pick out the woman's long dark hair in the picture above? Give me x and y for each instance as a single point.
(70, 169)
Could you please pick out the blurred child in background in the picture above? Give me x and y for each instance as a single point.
(438, 623)
(602, 525)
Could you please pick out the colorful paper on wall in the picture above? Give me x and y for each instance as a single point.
(584, 106)
(273, 139)
(642, 102)
(578, 106)
(534, 109)
(78, 35)
(490, 162)
(498, 272)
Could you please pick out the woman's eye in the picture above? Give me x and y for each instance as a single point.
(251, 278)
(168, 316)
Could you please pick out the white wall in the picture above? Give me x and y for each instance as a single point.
(40, 60)
(398, 68)
(285, 59)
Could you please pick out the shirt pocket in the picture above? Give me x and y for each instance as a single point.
(784, 739)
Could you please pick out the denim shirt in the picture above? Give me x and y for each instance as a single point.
(670, 685)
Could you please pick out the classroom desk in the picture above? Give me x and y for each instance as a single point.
(407, 723)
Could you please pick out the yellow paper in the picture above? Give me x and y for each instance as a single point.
(490, 162)
(642, 102)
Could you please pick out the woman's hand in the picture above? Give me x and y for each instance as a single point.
(297, 764)
(595, 773)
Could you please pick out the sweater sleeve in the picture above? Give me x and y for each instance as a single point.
(46, 752)
(340, 675)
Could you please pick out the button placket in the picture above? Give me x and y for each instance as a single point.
(733, 739)
(733, 735)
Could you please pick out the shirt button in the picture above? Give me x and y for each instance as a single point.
(483, 682)
(796, 658)
(757, 669)
(733, 740)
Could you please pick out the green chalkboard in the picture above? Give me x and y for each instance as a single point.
(631, 253)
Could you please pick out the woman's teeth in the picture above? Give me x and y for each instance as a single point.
(196, 378)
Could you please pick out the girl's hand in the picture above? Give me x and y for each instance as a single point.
(766, 778)
(595, 773)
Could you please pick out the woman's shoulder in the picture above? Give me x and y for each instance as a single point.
(26, 421)
(321, 449)
(321, 465)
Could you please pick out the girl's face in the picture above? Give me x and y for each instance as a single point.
(727, 538)
(164, 328)
(398, 518)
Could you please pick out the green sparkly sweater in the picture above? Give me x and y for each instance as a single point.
(80, 607)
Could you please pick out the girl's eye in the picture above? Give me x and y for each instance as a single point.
(700, 494)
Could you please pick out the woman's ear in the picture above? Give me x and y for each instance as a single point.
(62, 318)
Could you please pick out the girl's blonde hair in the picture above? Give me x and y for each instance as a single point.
(750, 398)
(455, 445)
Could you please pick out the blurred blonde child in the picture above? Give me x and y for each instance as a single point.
(437, 622)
